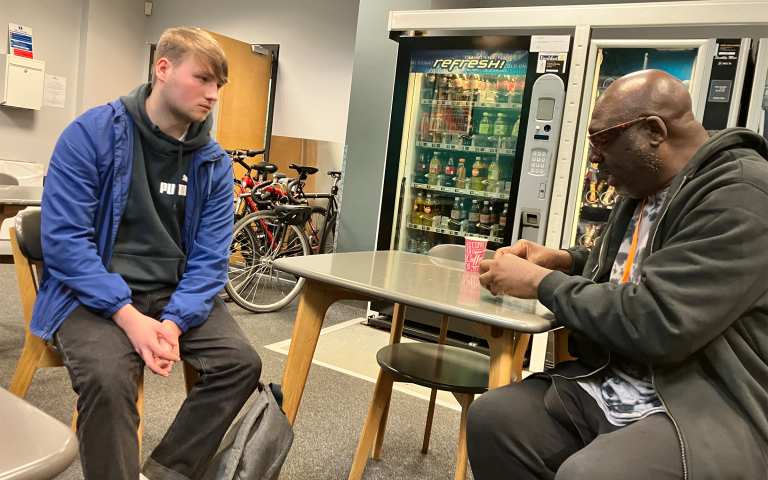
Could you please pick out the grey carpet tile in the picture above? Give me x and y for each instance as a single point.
(329, 421)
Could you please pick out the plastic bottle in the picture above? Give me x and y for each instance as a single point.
(493, 177)
(428, 86)
(442, 87)
(474, 86)
(461, 174)
(424, 130)
(426, 217)
(457, 214)
(421, 170)
(502, 89)
(478, 175)
(474, 217)
(494, 211)
(424, 246)
(413, 245)
(483, 131)
(500, 126)
(489, 94)
(485, 219)
(503, 217)
(435, 169)
(450, 173)
(418, 209)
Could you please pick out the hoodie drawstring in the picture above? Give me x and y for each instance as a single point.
(178, 176)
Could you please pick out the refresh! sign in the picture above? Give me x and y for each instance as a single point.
(469, 62)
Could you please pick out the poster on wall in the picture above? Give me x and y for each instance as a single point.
(20, 41)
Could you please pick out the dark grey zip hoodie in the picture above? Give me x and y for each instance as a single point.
(149, 252)
(699, 316)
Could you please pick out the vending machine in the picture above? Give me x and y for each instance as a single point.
(757, 117)
(473, 134)
(712, 69)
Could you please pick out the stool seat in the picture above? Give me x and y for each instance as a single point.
(441, 367)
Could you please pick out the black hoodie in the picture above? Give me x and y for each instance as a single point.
(149, 252)
(699, 315)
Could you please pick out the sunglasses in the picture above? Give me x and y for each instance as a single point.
(599, 138)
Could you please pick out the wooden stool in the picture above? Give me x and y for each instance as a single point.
(39, 353)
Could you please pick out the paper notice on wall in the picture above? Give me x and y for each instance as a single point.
(20, 41)
(550, 43)
(54, 91)
(551, 63)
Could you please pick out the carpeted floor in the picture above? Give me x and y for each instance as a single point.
(330, 418)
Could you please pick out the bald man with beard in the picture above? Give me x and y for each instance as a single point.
(668, 312)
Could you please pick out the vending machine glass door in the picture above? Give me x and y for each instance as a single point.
(591, 199)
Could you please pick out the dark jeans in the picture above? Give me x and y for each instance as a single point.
(104, 369)
(511, 434)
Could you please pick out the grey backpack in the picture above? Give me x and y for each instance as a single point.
(256, 445)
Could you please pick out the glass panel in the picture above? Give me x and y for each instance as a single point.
(461, 128)
(763, 127)
(596, 199)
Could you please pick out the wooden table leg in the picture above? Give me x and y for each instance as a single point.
(315, 300)
(395, 334)
(507, 353)
(381, 395)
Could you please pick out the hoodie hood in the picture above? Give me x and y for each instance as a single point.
(723, 141)
(197, 135)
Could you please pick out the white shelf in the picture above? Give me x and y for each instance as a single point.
(462, 191)
(466, 148)
(449, 103)
(456, 233)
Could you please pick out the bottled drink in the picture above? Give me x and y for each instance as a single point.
(474, 86)
(494, 209)
(493, 177)
(478, 175)
(413, 245)
(516, 129)
(502, 89)
(424, 246)
(442, 87)
(474, 217)
(429, 86)
(418, 209)
(483, 131)
(489, 94)
(450, 173)
(500, 126)
(435, 169)
(503, 217)
(485, 218)
(461, 174)
(457, 214)
(429, 207)
(458, 88)
(436, 127)
(421, 170)
(424, 130)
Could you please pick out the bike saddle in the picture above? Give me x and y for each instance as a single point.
(279, 176)
(334, 174)
(293, 214)
(304, 169)
(265, 167)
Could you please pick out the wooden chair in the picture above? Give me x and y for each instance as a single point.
(462, 372)
(39, 353)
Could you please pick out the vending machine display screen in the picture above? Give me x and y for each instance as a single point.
(545, 110)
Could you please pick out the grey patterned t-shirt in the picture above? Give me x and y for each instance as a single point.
(624, 390)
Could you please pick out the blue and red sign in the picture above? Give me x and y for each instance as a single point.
(469, 62)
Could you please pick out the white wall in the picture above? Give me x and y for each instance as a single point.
(317, 44)
(115, 51)
(30, 135)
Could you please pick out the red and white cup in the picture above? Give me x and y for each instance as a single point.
(474, 251)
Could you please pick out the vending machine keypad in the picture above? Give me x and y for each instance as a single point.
(538, 162)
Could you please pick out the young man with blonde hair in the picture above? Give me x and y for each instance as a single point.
(136, 225)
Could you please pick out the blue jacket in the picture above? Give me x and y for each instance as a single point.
(83, 202)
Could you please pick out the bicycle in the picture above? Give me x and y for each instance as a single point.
(323, 239)
(258, 240)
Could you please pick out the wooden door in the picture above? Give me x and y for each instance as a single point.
(243, 103)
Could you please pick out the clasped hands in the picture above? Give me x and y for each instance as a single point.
(517, 270)
(156, 342)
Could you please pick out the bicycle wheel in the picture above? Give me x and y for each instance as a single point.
(257, 241)
(313, 228)
(328, 236)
